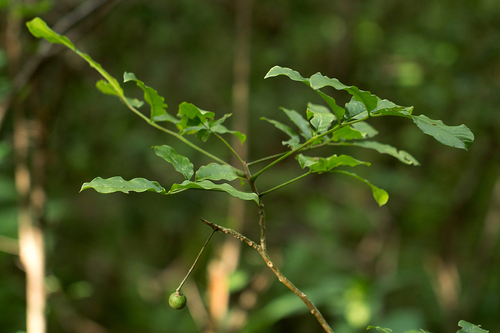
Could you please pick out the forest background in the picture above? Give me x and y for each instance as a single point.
(428, 258)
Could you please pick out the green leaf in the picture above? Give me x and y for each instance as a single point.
(453, 136)
(214, 171)
(293, 75)
(401, 155)
(379, 194)
(166, 117)
(380, 329)
(337, 110)
(366, 129)
(208, 185)
(320, 164)
(470, 328)
(191, 111)
(354, 108)
(321, 117)
(346, 133)
(193, 118)
(180, 163)
(134, 102)
(387, 107)
(369, 100)
(221, 129)
(118, 184)
(294, 141)
(300, 122)
(155, 101)
(106, 88)
(39, 29)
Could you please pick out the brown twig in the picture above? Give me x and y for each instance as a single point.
(281, 277)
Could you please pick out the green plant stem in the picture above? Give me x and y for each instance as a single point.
(285, 183)
(230, 148)
(178, 136)
(305, 144)
(282, 157)
(265, 159)
(196, 260)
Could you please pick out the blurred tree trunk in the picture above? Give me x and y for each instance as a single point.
(31, 198)
(222, 268)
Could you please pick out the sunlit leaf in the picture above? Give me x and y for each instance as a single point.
(300, 122)
(155, 101)
(180, 163)
(453, 136)
(39, 28)
(294, 141)
(208, 185)
(379, 194)
(293, 75)
(214, 171)
(470, 328)
(118, 184)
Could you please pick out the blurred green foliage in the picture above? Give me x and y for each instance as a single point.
(425, 260)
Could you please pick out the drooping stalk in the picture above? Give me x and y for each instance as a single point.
(196, 260)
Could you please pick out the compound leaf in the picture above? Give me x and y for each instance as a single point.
(118, 184)
(39, 29)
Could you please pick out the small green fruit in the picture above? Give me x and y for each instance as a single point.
(177, 300)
